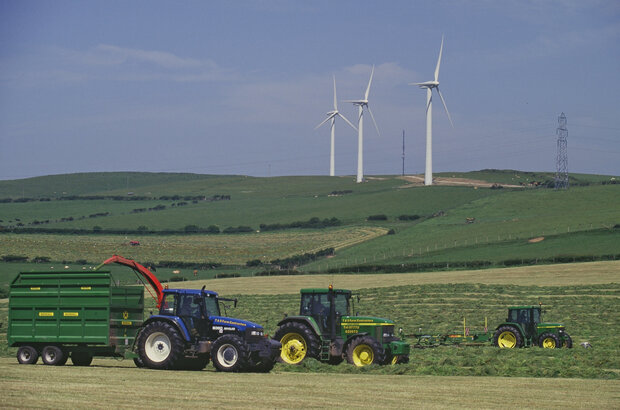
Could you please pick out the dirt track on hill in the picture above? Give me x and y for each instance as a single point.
(418, 180)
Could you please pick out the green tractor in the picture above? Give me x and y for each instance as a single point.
(327, 331)
(524, 328)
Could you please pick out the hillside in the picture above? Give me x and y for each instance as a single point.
(384, 224)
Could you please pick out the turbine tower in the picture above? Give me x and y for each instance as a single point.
(331, 115)
(360, 128)
(429, 85)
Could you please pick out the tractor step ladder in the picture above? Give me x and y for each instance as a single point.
(325, 346)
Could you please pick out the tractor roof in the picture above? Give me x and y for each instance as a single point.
(524, 307)
(324, 290)
(190, 292)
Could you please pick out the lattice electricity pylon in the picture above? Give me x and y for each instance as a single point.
(561, 174)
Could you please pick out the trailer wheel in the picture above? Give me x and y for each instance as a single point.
(54, 356)
(364, 351)
(549, 341)
(568, 342)
(27, 355)
(160, 346)
(298, 342)
(81, 358)
(230, 353)
(507, 337)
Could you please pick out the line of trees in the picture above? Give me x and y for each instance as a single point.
(119, 198)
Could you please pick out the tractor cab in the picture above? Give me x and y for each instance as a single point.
(524, 327)
(527, 316)
(326, 307)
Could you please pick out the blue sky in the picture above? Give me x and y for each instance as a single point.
(237, 87)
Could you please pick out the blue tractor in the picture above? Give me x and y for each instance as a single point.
(189, 330)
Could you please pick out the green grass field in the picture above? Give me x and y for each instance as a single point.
(109, 383)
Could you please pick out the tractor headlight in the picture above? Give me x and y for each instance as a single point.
(256, 333)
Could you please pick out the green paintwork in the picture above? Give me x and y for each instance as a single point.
(76, 308)
(531, 331)
(347, 325)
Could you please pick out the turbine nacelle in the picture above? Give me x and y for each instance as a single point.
(427, 84)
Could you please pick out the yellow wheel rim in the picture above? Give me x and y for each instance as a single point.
(507, 340)
(363, 355)
(548, 343)
(394, 360)
(294, 348)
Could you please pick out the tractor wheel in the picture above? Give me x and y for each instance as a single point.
(397, 359)
(193, 363)
(263, 366)
(81, 358)
(138, 362)
(365, 350)
(160, 346)
(335, 360)
(549, 341)
(27, 355)
(568, 342)
(54, 356)
(298, 342)
(230, 353)
(507, 337)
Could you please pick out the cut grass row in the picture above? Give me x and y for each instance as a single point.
(70, 387)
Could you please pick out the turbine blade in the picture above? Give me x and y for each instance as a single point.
(325, 120)
(335, 101)
(348, 122)
(439, 61)
(444, 106)
(369, 82)
(373, 120)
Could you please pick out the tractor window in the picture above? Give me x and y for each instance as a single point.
(314, 304)
(524, 316)
(212, 306)
(536, 316)
(513, 316)
(342, 305)
(168, 305)
(190, 306)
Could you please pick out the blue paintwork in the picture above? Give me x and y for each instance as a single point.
(175, 319)
(239, 324)
(196, 292)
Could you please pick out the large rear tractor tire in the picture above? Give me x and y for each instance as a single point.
(230, 353)
(160, 346)
(54, 356)
(549, 341)
(298, 343)
(27, 355)
(81, 358)
(507, 337)
(364, 351)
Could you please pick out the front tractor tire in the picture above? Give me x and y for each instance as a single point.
(568, 342)
(549, 341)
(364, 351)
(507, 337)
(230, 353)
(160, 346)
(298, 342)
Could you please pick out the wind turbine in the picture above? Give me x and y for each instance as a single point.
(360, 128)
(331, 115)
(429, 85)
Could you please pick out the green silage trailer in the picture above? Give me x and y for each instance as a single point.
(72, 314)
